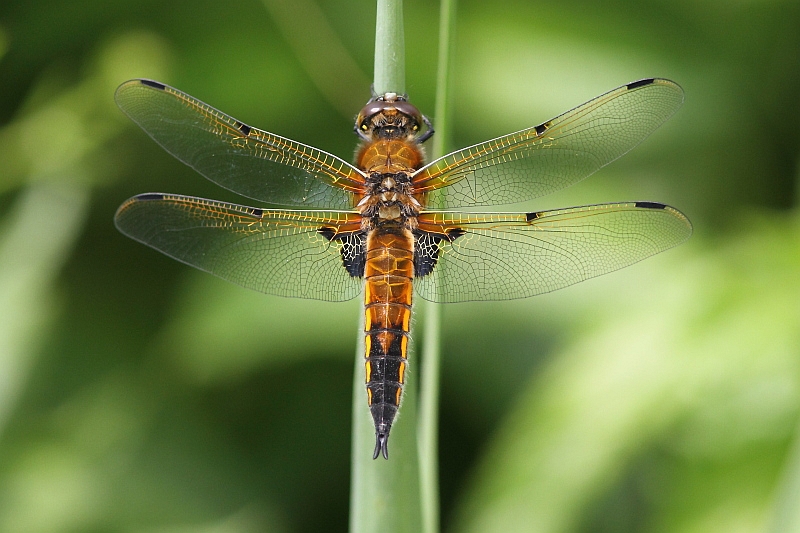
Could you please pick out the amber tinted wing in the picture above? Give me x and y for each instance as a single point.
(246, 160)
(543, 159)
(516, 255)
(273, 251)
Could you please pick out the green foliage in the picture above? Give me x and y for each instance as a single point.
(139, 395)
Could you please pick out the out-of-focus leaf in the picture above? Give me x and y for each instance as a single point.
(38, 234)
(64, 137)
(710, 346)
(220, 331)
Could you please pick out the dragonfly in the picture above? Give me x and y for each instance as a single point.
(385, 226)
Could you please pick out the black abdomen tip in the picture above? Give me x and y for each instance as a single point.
(381, 445)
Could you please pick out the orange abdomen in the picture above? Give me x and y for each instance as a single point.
(388, 274)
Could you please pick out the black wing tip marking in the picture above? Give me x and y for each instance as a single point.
(153, 84)
(640, 83)
(650, 205)
(149, 196)
(381, 445)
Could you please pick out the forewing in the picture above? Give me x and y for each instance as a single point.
(248, 161)
(516, 255)
(543, 159)
(285, 253)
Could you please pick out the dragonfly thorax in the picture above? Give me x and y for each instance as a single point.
(389, 197)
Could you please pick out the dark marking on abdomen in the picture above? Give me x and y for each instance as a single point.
(389, 269)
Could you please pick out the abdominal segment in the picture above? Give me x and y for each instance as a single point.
(388, 273)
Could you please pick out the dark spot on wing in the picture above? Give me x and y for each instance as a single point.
(640, 83)
(256, 212)
(650, 205)
(455, 233)
(328, 233)
(150, 196)
(154, 84)
(541, 128)
(531, 216)
(244, 128)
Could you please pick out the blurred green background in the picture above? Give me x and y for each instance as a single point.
(139, 395)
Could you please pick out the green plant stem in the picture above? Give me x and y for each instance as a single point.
(390, 55)
(385, 495)
(447, 17)
(428, 441)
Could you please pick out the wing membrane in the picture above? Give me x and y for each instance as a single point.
(516, 255)
(273, 251)
(543, 159)
(248, 161)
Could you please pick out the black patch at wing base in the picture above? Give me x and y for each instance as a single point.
(426, 252)
(354, 249)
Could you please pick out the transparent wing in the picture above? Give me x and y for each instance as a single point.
(543, 159)
(273, 251)
(245, 160)
(505, 256)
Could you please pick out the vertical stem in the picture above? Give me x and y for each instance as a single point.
(447, 17)
(431, 348)
(390, 54)
(428, 441)
(385, 495)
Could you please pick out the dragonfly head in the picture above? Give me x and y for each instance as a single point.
(388, 116)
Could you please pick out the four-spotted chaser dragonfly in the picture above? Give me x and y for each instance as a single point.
(383, 225)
